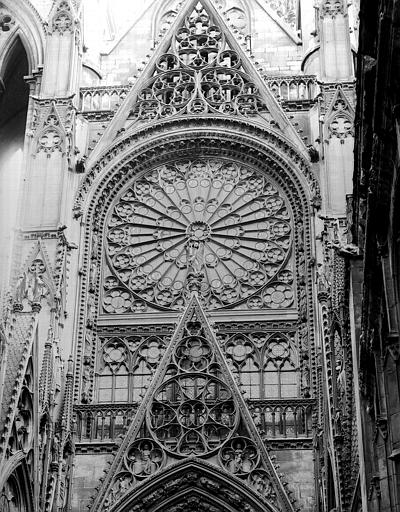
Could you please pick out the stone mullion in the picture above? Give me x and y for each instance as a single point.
(327, 358)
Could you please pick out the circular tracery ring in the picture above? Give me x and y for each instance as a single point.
(192, 414)
(215, 218)
(240, 456)
(193, 354)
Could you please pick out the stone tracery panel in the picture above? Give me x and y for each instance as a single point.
(125, 367)
(266, 364)
(193, 414)
(217, 222)
(200, 73)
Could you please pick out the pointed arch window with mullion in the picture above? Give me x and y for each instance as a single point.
(266, 371)
(123, 372)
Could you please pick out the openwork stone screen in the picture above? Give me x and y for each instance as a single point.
(199, 74)
(217, 223)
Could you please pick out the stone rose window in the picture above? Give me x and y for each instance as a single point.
(215, 223)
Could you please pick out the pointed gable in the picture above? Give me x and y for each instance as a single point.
(200, 74)
(339, 116)
(36, 279)
(192, 409)
(199, 69)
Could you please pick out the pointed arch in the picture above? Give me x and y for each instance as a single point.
(14, 96)
(240, 142)
(194, 481)
(249, 139)
(14, 100)
(15, 483)
(29, 29)
(162, 60)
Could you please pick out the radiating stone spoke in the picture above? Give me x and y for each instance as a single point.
(213, 221)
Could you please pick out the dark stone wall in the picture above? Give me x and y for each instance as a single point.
(376, 308)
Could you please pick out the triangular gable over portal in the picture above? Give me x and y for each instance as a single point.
(198, 68)
(193, 410)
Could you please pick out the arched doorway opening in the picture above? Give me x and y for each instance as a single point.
(14, 98)
(193, 486)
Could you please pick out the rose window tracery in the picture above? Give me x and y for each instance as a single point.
(219, 222)
(193, 413)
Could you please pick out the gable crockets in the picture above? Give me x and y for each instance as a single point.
(193, 409)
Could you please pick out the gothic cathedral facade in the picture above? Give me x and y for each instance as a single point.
(176, 181)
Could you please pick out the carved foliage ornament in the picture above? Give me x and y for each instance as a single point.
(216, 222)
(199, 75)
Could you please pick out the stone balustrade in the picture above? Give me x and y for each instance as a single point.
(103, 98)
(276, 418)
(98, 422)
(293, 88)
(283, 418)
(289, 88)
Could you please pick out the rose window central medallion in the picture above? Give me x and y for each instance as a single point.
(198, 231)
(214, 219)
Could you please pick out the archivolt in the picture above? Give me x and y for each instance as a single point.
(231, 138)
(15, 470)
(192, 485)
(191, 138)
(30, 31)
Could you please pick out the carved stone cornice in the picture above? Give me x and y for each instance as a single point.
(252, 326)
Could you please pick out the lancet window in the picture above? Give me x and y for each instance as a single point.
(125, 367)
(266, 365)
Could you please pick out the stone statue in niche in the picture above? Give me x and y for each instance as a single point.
(240, 457)
(90, 310)
(195, 264)
(195, 256)
(92, 276)
(87, 356)
(31, 286)
(144, 458)
(261, 483)
(86, 382)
